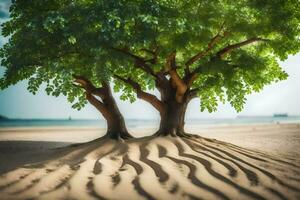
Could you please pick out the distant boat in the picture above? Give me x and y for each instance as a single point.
(70, 118)
(280, 115)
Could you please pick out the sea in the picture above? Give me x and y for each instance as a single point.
(135, 123)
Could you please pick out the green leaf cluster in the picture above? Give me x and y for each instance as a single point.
(50, 41)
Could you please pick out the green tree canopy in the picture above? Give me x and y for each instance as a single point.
(224, 49)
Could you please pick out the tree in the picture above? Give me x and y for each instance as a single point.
(215, 50)
(49, 44)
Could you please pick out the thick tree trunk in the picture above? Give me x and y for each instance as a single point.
(103, 100)
(116, 128)
(172, 120)
(107, 106)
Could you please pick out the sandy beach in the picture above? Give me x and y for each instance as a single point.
(223, 162)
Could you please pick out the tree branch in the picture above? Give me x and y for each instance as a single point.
(210, 46)
(231, 47)
(153, 52)
(189, 79)
(90, 89)
(177, 82)
(97, 104)
(140, 62)
(88, 86)
(191, 94)
(150, 98)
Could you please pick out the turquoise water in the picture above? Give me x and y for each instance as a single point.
(142, 123)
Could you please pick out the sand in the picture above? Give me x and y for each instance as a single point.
(253, 162)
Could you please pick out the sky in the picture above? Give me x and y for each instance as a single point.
(282, 97)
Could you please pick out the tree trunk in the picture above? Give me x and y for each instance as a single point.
(107, 106)
(103, 100)
(116, 128)
(172, 120)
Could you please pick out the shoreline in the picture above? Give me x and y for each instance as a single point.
(89, 127)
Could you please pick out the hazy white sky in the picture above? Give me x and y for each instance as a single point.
(282, 97)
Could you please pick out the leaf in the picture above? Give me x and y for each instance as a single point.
(50, 41)
(72, 39)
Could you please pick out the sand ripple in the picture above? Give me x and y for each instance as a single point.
(156, 168)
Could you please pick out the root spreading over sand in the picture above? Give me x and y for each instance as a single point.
(156, 168)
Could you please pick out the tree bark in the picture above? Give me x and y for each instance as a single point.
(116, 128)
(107, 106)
(173, 119)
(173, 116)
